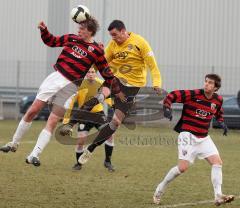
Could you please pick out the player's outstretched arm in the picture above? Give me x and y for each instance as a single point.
(51, 40)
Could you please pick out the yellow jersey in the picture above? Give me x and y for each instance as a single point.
(86, 91)
(131, 60)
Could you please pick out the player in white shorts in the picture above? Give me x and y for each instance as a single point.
(79, 53)
(199, 107)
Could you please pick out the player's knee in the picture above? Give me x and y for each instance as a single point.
(218, 161)
(183, 167)
(115, 123)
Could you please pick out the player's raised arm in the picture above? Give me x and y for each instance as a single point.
(51, 40)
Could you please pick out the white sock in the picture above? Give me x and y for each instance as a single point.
(171, 175)
(43, 139)
(216, 177)
(22, 128)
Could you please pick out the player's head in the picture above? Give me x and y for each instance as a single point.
(212, 83)
(91, 75)
(118, 31)
(88, 28)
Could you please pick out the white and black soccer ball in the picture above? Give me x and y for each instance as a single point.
(80, 13)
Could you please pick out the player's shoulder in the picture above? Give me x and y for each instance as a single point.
(97, 47)
(218, 97)
(73, 36)
(138, 38)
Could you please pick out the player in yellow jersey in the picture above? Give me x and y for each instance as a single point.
(129, 56)
(87, 90)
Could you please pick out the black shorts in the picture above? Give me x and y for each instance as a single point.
(87, 126)
(130, 93)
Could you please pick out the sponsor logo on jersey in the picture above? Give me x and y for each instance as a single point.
(78, 52)
(202, 113)
(121, 55)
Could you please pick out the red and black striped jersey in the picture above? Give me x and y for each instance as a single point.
(77, 56)
(197, 112)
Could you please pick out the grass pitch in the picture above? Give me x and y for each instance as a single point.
(142, 157)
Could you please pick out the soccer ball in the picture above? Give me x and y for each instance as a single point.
(80, 13)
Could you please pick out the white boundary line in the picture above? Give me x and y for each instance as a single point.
(191, 203)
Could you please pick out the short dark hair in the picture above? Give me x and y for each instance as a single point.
(216, 78)
(117, 24)
(92, 25)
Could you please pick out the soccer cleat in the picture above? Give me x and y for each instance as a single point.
(109, 166)
(33, 160)
(10, 146)
(223, 199)
(77, 166)
(157, 196)
(85, 156)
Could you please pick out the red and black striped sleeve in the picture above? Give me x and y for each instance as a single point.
(179, 96)
(105, 71)
(54, 41)
(219, 112)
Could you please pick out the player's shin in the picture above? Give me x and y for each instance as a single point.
(171, 175)
(216, 177)
(43, 139)
(22, 128)
(104, 134)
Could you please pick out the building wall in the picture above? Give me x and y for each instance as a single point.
(189, 38)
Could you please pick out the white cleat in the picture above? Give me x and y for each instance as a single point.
(85, 156)
(223, 199)
(10, 146)
(157, 197)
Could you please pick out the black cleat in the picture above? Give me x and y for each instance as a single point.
(77, 166)
(34, 161)
(109, 166)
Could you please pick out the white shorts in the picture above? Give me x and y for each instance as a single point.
(190, 147)
(56, 89)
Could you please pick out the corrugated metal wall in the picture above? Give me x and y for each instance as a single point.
(188, 37)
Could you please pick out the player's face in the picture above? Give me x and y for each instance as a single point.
(91, 75)
(83, 32)
(118, 36)
(209, 86)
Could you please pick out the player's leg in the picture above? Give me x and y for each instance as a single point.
(186, 156)
(121, 110)
(109, 144)
(105, 133)
(171, 175)
(210, 153)
(82, 134)
(43, 139)
(24, 125)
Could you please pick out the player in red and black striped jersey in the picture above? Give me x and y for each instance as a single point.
(199, 107)
(198, 110)
(79, 53)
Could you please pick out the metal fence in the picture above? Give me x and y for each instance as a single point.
(20, 78)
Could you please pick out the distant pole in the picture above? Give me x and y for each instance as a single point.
(17, 90)
(104, 22)
(213, 69)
